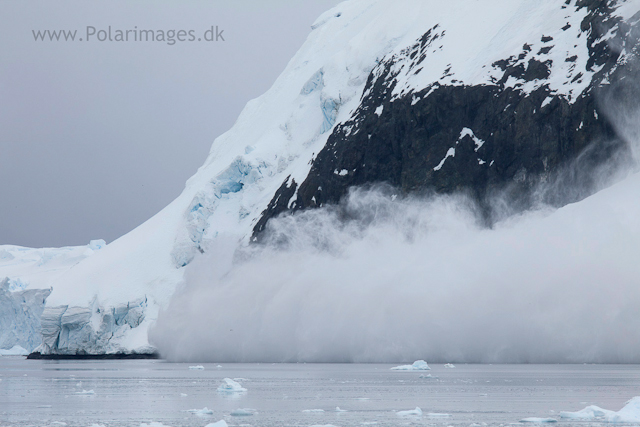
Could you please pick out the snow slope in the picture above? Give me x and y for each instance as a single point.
(106, 301)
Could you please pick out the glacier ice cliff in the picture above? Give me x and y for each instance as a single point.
(20, 313)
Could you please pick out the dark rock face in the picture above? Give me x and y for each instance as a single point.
(478, 139)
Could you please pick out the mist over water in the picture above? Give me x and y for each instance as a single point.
(386, 278)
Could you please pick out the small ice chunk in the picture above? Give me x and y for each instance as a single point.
(196, 368)
(418, 365)
(183, 395)
(437, 415)
(340, 410)
(313, 410)
(450, 365)
(219, 366)
(86, 392)
(425, 376)
(538, 420)
(242, 412)
(230, 386)
(412, 413)
(201, 412)
(221, 423)
(57, 423)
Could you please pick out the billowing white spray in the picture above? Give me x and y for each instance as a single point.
(418, 279)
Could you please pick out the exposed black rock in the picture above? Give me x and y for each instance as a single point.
(518, 140)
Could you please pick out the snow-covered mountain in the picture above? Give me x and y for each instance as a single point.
(425, 95)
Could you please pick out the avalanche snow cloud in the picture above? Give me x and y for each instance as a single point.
(385, 279)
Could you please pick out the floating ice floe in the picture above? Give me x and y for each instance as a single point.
(449, 365)
(425, 376)
(151, 424)
(86, 392)
(201, 412)
(313, 410)
(418, 365)
(183, 395)
(243, 412)
(629, 414)
(412, 413)
(538, 420)
(231, 387)
(221, 423)
(196, 368)
(340, 410)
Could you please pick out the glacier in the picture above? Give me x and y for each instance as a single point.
(99, 298)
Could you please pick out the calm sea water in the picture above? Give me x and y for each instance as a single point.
(128, 393)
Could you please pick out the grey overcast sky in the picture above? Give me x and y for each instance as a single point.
(96, 137)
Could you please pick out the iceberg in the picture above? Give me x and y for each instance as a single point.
(412, 413)
(201, 412)
(437, 415)
(242, 412)
(231, 387)
(589, 413)
(418, 365)
(630, 413)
